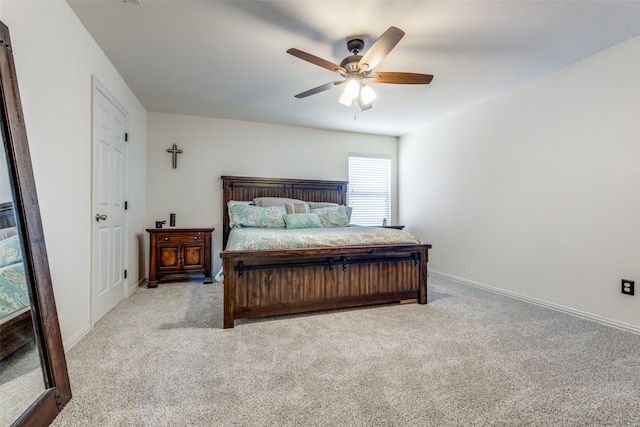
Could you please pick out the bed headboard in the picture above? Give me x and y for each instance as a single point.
(7, 215)
(248, 188)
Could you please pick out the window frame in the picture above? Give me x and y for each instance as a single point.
(359, 199)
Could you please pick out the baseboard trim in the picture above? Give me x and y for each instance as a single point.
(567, 310)
(68, 344)
(133, 288)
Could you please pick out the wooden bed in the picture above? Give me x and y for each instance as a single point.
(275, 282)
(18, 330)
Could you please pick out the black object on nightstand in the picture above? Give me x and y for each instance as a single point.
(397, 227)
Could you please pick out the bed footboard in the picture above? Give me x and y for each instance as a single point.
(267, 283)
(15, 333)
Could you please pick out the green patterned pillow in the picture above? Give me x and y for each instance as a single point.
(244, 215)
(10, 251)
(334, 216)
(302, 220)
(14, 289)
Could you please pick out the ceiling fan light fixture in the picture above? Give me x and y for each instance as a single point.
(363, 106)
(345, 100)
(367, 94)
(352, 89)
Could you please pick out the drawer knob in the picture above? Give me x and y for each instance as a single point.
(195, 237)
(166, 238)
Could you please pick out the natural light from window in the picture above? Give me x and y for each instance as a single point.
(370, 189)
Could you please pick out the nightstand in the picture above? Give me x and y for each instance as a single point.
(179, 251)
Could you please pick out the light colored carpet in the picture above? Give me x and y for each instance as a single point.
(21, 382)
(468, 358)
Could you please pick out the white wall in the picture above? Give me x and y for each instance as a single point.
(215, 147)
(537, 191)
(55, 60)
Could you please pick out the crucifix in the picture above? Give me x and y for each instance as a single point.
(174, 152)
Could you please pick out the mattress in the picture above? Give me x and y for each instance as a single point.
(256, 239)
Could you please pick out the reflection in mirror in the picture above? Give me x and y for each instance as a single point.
(21, 379)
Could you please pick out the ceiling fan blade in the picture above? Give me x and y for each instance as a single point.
(316, 61)
(401, 78)
(381, 48)
(318, 89)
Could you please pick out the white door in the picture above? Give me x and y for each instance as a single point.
(109, 181)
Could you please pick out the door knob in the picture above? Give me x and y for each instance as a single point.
(100, 217)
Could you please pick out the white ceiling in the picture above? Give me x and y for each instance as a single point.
(228, 59)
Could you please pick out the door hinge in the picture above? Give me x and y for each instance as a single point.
(126, 137)
(126, 205)
(125, 274)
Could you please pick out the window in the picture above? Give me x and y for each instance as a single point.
(370, 188)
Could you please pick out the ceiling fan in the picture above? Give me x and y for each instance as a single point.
(356, 69)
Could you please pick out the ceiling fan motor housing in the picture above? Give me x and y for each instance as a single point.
(350, 63)
(355, 45)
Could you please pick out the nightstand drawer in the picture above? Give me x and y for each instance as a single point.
(181, 238)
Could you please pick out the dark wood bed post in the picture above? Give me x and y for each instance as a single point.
(422, 291)
(229, 293)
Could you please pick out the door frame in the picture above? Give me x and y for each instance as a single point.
(96, 87)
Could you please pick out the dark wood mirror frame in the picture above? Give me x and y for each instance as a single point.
(45, 318)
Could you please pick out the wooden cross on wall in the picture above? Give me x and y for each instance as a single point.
(174, 152)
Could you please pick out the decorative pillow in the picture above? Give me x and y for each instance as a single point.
(15, 295)
(8, 232)
(293, 208)
(274, 201)
(335, 216)
(302, 220)
(316, 205)
(239, 202)
(349, 210)
(243, 215)
(10, 251)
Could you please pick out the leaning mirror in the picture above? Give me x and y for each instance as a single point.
(34, 382)
(21, 380)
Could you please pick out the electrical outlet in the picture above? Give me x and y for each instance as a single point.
(627, 287)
